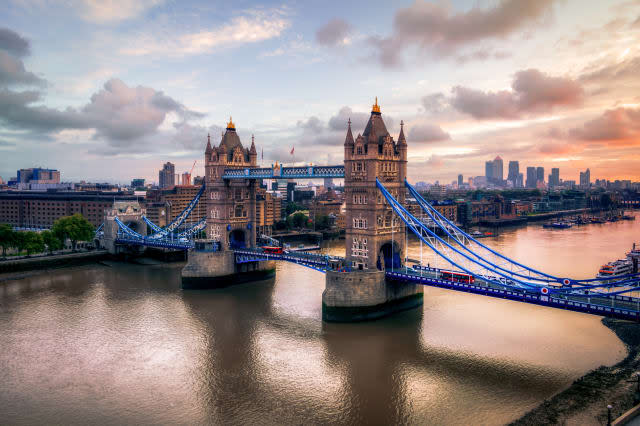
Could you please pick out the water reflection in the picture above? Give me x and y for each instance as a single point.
(124, 344)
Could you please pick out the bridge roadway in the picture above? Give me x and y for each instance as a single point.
(623, 307)
(617, 306)
(168, 243)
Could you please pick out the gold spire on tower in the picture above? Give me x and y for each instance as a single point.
(230, 125)
(376, 107)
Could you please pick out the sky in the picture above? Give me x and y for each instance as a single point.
(107, 91)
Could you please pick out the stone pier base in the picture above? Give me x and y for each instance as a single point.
(206, 270)
(366, 295)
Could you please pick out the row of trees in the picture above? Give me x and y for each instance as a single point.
(73, 228)
(300, 220)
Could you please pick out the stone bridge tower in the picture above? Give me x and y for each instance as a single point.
(375, 239)
(231, 204)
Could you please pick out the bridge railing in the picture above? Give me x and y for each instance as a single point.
(297, 172)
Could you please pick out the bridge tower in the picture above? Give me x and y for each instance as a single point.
(231, 204)
(375, 239)
(231, 218)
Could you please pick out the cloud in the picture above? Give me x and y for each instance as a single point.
(438, 29)
(482, 55)
(427, 133)
(434, 161)
(122, 113)
(118, 113)
(193, 137)
(14, 43)
(17, 112)
(256, 26)
(312, 124)
(532, 92)
(358, 120)
(334, 33)
(627, 70)
(620, 125)
(12, 72)
(106, 11)
(434, 103)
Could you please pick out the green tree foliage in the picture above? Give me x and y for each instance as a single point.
(281, 224)
(75, 228)
(293, 207)
(299, 220)
(7, 237)
(32, 242)
(51, 241)
(322, 222)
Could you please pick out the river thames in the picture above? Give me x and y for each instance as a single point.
(122, 343)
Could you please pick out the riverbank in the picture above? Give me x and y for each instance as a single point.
(585, 401)
(51, 262)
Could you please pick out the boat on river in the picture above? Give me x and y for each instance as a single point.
(557, 225)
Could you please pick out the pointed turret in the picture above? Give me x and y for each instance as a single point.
(209, 148)
(375, 131)
(401, 139)
(253, 153)
(348, 140)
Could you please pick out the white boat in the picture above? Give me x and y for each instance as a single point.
(616, 268)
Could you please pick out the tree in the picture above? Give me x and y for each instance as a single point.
(299, 220)
(7, 237)
(51, 241)
(32, 242)
(322, 222)
(20, 241)
(75, 228)
(293, 207)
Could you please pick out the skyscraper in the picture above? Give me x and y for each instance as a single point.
(460, 181)
(167, 176)
(498, 171)
(554, 177)
(532, 177)
(514, 171)
(585, 178)
(540, 174)
(488, 171)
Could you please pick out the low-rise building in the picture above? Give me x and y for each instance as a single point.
(42, 209)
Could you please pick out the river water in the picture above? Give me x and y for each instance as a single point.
(124, 344)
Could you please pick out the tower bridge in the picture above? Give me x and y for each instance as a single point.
(373, 279)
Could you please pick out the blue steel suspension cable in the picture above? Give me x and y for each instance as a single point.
(426, 205)
(402, 212)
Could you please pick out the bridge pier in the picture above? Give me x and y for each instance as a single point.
(366, 295)
(209, 269)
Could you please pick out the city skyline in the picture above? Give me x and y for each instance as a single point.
(146, 86)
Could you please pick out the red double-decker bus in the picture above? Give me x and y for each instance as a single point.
(459, 277)
(272, 249)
